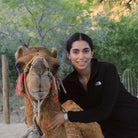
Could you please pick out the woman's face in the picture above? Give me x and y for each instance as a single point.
(80, 55)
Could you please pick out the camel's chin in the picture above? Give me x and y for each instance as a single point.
(39, 95)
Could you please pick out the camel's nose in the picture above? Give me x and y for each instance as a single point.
(39, 67)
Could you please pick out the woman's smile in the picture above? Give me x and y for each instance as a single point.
(81, 63)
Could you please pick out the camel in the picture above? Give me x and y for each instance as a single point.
(38, 82)
(88, 130)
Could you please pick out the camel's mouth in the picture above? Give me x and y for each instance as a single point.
(39, 95)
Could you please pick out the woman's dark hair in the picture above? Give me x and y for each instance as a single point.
(77, 37)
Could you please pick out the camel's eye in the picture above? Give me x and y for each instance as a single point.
(19, 67)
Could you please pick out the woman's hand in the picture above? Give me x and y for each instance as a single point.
(57, 121)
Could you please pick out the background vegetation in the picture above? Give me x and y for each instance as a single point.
(112, 24)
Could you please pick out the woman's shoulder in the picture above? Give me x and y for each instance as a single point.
(70, 77)
(106, 64)
(103, 66)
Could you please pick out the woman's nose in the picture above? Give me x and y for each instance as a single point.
(81, 55)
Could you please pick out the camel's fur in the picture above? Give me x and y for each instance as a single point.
(74, 130)
(87, 130)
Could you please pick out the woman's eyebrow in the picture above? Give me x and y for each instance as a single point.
(75, 49)
(82, 49)
(86, 48)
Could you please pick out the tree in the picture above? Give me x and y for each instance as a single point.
(50, 23)
(42, 20)
(118, 41)
(43, 23)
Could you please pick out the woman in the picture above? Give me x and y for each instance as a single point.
(96, 87)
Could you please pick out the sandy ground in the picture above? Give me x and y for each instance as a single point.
(17, 127)
(13, 130)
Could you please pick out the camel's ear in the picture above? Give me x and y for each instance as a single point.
(54, 52)
(19, 52)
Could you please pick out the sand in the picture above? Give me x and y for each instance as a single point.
(14, 130)
(17, 127)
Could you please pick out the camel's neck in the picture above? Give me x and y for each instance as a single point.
(46, 110)
(46, 116)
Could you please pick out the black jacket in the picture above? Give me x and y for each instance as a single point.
(105, 101)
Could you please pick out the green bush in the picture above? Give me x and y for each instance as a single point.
(117, 42)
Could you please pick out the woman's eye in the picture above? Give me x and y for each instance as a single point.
(75, 52)
(86, 51)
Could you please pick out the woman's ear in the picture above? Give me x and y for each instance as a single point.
(92, 53)
(68, 55)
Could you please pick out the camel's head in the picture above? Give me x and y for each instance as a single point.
(41, 65)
